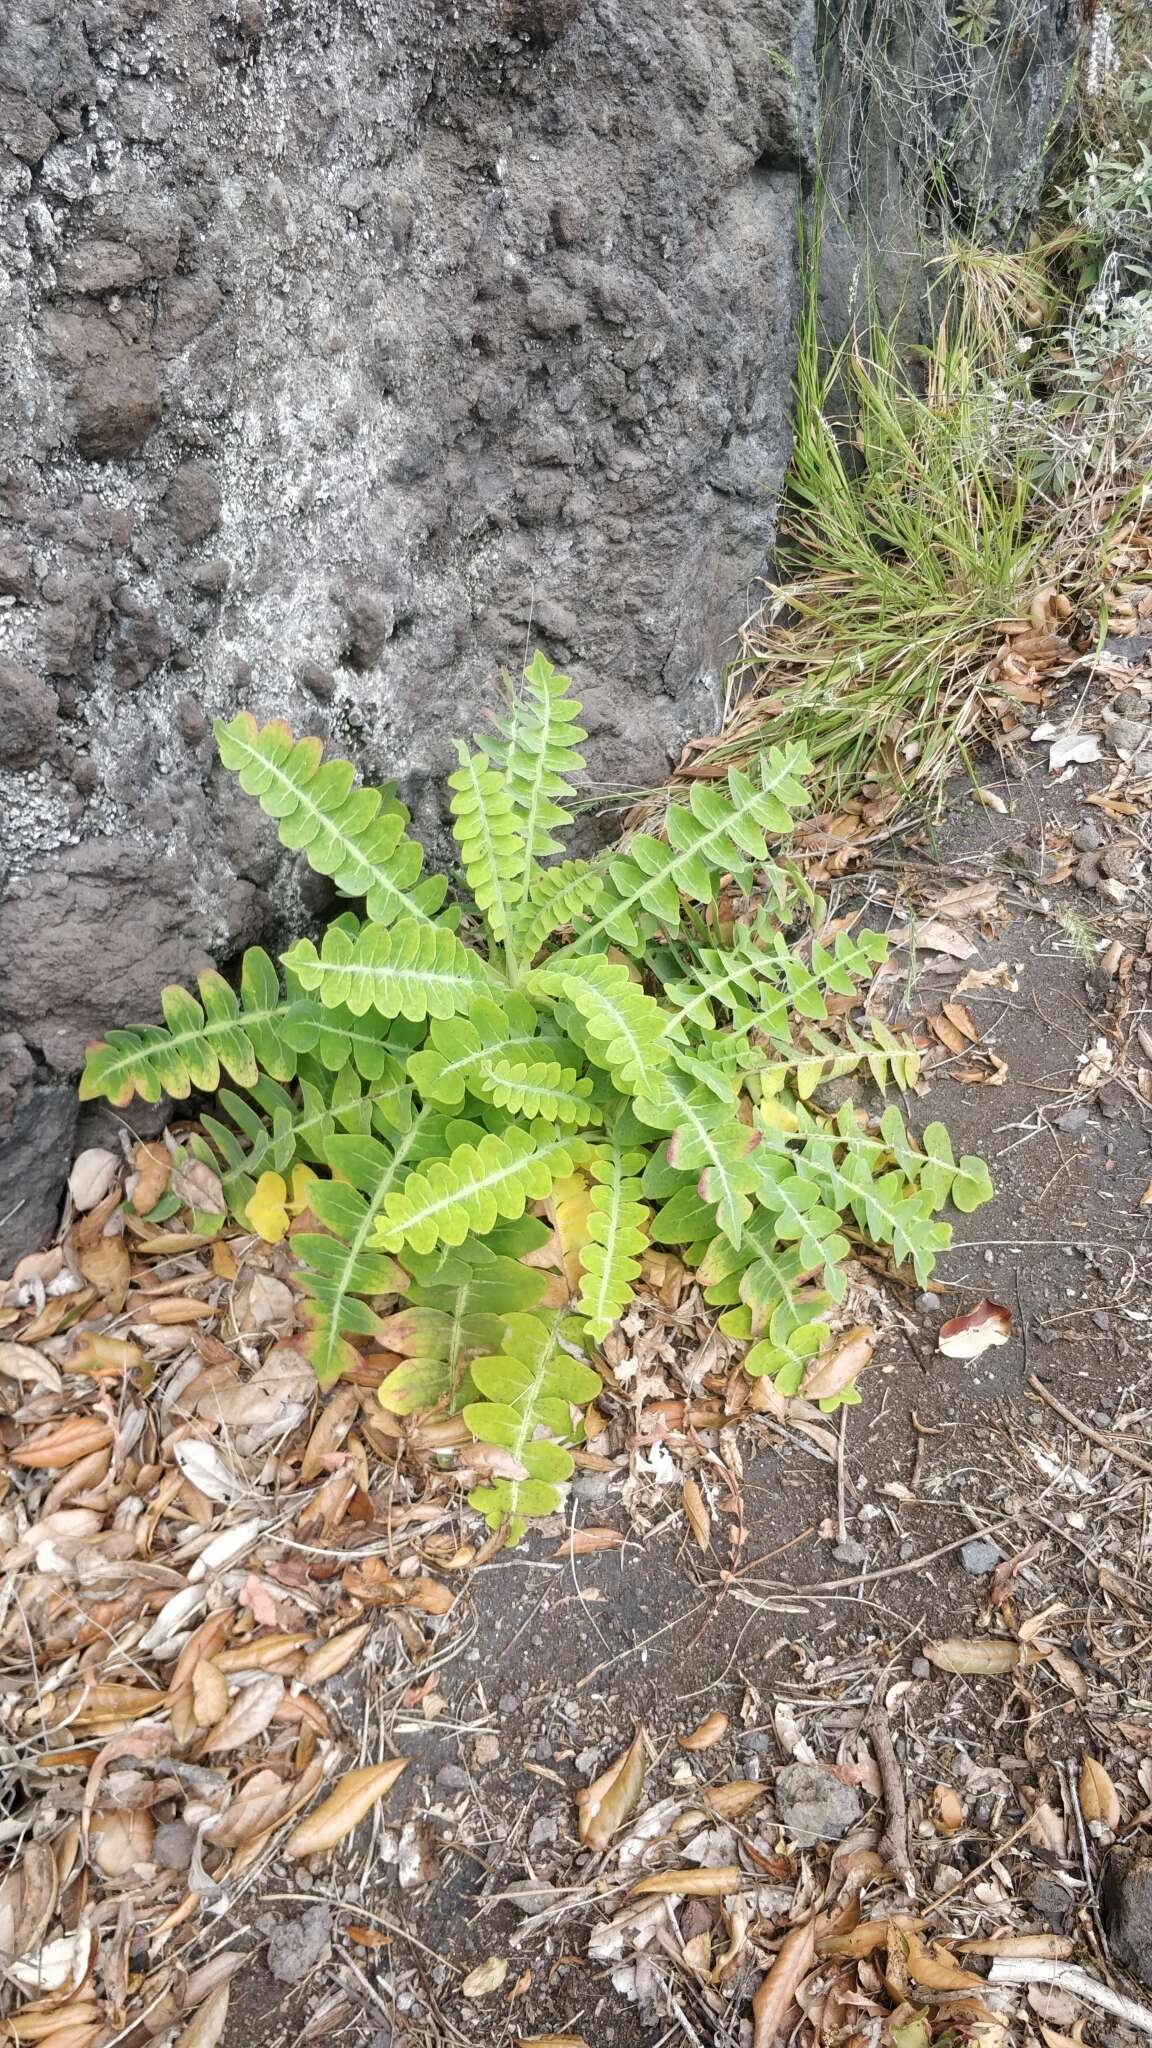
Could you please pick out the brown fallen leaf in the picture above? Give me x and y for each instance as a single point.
(61, 1445)
(776, 1996)
(978, 1657)
(152, 1165)
(605, 1805)
(969, 1336)
(935, 1970)
(21, 1362)
(840, 1365)
(585, 1543)
(690, 1884)
(107, 1266)
(248, 1716)
(198, 1187)
(696, 1513)
(39, 1886)
(712, 1729)
(1054, 1948)
(947, 1811)
(551, 2041)
(121, 1840)
(1000, 976)
(332, 1657)
(97, 1354)
(344, 1808)
(206, 2027)
(486, 1978)
(209, 1694)
(1099, 1799)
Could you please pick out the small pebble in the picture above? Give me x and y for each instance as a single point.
(980, 1557)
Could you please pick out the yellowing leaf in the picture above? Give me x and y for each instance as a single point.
(606, 1804)
(571, 1204)
(485, 1978)
(934, 1970)
(344, 1808)
(267, 1208)
(696, 1513)
(712, 1729)
(104, 1354)
(690, 1884)
(1099, 1799)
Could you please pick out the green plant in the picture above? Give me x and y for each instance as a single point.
(635, 1040)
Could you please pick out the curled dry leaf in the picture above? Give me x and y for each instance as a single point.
(935, 1970)
(712, 1729)
(121, 1839)
(54, 1964)
(696, 1513)
(979, 1657)
(20, 1362)
(605, 1805)
(93, 1173)
(1099, 1799)
(107, 1267)
(39, 1885)
(248, 1716)
(985, 1326)
(344, 1808)
(152, 1166)
(690, 1884)
(551, 2041)
(840, 1365)
(198, 1187)
(485, 1978)
(947, 1811)
(585, 1543)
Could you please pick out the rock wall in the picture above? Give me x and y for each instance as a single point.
(349, 347)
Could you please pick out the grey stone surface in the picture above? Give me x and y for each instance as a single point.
(37, 1130)
(350, 351)
(297, 1944)
(813, 1805)
(1126, 1903)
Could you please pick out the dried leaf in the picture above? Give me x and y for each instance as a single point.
(54, 1964)
(696, 1513)
(121, 1839)
(206, 2028)
(209, 1693)
(551, 2041)
(1054, 1948)
(53, 1450)
(205, 1469)
(98, 1354)
(840, 1365)
(198, 1187)
(773, 2002)
(153, 1166)
(934, 1970)
(39, 1884)
(107, 1267)
(979, 1657)
(969, 1336)
(962, 1020)
(344, 1808)
(332, 1657)
(1067, 1671)
(485, 1978)
(605, 1805)
(712, 1729)
(247, 1717)
(947, 1811)
(585, 1543)
(93, 1173)
(690, 1884)
(1099, 1799)
(20, 1362)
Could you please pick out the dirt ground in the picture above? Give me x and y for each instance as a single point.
(830, 1563)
